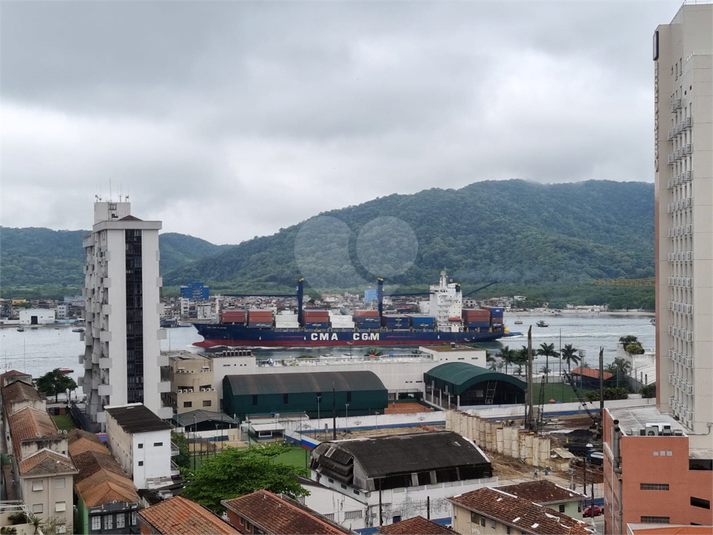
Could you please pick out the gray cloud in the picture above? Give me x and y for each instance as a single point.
(233, 119)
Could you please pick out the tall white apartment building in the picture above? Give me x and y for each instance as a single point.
(683, 63)
(122, 337)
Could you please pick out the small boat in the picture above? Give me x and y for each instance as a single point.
(66, 370)
(78, 330)
(21, 329)
(653, 321)
(518, 322)
(541, 323)
(34, 327)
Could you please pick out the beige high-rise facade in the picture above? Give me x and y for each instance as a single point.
(683, 73)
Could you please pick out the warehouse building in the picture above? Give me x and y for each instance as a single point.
(459, 384)
(316, 394)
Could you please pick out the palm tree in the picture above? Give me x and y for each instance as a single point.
(508, 356)
(622, 367)
(569, 355)
(490, 360)
(547, 350)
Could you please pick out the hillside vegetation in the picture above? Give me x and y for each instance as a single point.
(552, 239)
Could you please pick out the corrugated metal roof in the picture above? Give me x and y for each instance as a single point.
(288, 383)
(399, 454)
(462, 376)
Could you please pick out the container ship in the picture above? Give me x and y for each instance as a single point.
(446, 322)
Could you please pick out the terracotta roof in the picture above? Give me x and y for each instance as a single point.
(14, 373)
(46, 462)
(31, 423)
(179, 515)
(275, 515)
(91, 462)
(106, 492)
(18, 391)
(416, 526)
(543, 492)
(522, 514)
(81, 441)
(591, 372)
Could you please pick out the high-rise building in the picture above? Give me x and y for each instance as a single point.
(658, 463)
(122, 290)
(683, 102)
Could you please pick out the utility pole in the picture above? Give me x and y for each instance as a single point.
(600, 430)
(334, 412)
(530, 424)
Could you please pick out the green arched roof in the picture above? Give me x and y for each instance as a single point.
(460, 376)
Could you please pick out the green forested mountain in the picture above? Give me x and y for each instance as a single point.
(498, 231)
(31, 257)
(511, 232)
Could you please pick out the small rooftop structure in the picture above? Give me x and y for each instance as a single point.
(137, 418)
(180, 515)
(635, 420)
(591, 373)
(275, 515)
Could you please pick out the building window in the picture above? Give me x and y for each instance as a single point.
(109, 522)
(207, 403)
(492, 524)
(344, 486)
(561, 508)
(120, 521)
(507, 530)
(141, 446)
(60, 506)
(59, 483)
(96, 523)
(133, 518)
(655, 519)
(700, 502)
(37, 485)
(351, 515)
(241, 521)
(158, 444)
(37, 508)
(474, 518)
(141, 463)
(187, 404)
(653, 486)
(482, 521)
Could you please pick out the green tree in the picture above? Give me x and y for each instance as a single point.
(54, 382)
(508, 356)
(234, 473)
(569, 355)
(547, 350)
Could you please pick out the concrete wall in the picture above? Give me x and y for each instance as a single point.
(494, 436)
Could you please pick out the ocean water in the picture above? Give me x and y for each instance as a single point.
(37, 351)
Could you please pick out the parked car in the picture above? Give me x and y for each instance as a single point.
(592, 510)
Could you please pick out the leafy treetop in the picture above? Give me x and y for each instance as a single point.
(234, 473)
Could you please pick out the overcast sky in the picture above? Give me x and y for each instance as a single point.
(228, 120)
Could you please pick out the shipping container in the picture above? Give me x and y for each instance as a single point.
(260, 325)
(477, 324)
(316, 325)
(366, 313)
(232, 316)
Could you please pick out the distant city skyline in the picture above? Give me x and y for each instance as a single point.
(227, 120)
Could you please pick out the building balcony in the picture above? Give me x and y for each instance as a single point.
(105, 363)
(164, 387)
(105, 390)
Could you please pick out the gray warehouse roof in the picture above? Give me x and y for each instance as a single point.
(288, 383)
(382, 456)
